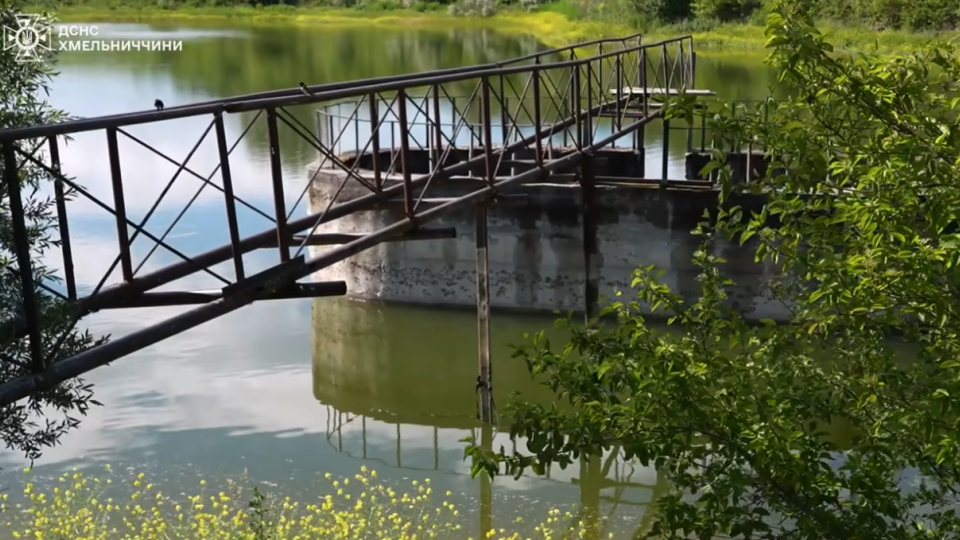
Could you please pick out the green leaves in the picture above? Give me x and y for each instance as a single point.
(23, 90)
(805, 428)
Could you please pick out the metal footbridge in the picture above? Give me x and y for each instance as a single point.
(559, 106)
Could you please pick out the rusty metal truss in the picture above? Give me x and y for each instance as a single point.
(564, 104)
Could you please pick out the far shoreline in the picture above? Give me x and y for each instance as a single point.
(550, 27)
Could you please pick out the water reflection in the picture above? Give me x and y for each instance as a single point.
(235, 396)
(415, 370)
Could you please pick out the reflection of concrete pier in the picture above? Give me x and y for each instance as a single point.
(378, 376)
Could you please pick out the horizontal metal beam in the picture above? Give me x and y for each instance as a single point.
(513, 198)
(702, 185)
(333, 239)
(117, 294)
(184, 298)
(660, 92)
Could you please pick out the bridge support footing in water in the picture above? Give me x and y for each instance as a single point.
(558, 247)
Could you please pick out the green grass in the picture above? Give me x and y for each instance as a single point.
(556, 24)
(751, 38)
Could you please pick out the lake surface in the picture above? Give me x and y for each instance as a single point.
(285, 391)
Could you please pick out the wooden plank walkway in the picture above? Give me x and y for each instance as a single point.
(639, 91)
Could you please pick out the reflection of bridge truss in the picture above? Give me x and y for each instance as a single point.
(553, 92)
(615, 473)
(603, 484)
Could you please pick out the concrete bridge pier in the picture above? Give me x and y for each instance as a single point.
(537, 250)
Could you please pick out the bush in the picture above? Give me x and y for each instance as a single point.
(725, 10)
(473, 8)
(127, 506)
(819, 427)
(38, 422)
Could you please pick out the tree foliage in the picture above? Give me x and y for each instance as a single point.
(841, 423)
(40, 421)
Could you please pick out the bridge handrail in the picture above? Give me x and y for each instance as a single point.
(428, 80)
(319, 93)
(409, 76)
(532, 56)
(326, 108)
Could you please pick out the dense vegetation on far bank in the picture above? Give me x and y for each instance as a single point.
(915, 15)
(554, 23)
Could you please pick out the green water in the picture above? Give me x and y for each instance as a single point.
(285, 391)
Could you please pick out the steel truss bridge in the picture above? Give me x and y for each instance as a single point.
(551, 100)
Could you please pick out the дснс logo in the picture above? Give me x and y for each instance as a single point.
(30, 37)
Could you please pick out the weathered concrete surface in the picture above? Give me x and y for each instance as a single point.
(536, 251)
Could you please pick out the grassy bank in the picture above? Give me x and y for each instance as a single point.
(745, 37)
(555, 24)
